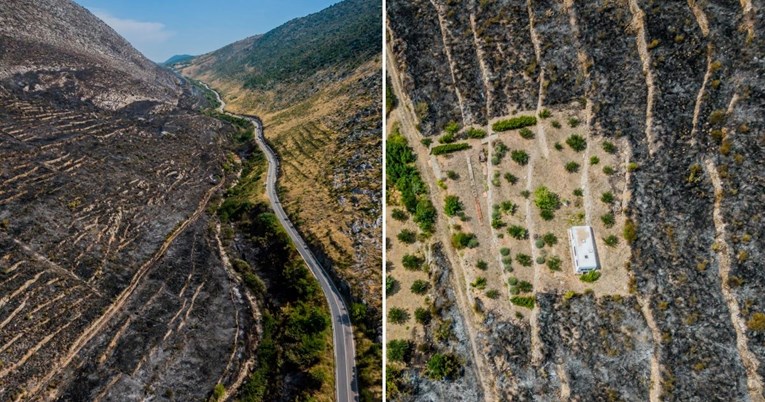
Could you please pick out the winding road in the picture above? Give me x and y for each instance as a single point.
(346, 384)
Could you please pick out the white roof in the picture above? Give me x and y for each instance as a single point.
(583, 251)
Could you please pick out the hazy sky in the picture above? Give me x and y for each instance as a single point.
(163, 28)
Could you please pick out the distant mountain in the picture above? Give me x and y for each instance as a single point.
(316, 84)
(178, 58)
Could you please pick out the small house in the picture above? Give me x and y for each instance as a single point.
(583, 253)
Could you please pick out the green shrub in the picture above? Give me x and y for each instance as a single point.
(523, 259)
(514, 123)
(449, 148)
(555, 124)
(611, 240)
(518, 232)
(594, 160)
(218, 392)
(546, 201)
(426, 142)
(717, 117)
(526, 133)
(539, 243)
(558, 146)
(452, 205)
(513, 281)
(523, 301)
(573, 122)
(420, 287)
(500, 150)
(608, 220)
(397, 315)
(390, 283)
(492, 294)
(482, 265)
(632, 166)
(576, 142)
(479, 283)
(452, 175)
(572, 167)
(399, 215)
(508, 207)
(452, 127)
(545, 113)
(607, 197)
(511, 178)
(756, 322)
(504, 251)
(520, 157)
(554, 263)
(399, 350)
(550, 239)
(495, 180)
(609, 147)
(608, 170)
(461, 240)
(525, 193)
(578, 192)
(525, 287)
(630, 231)
(475, 133)
(425, 215)
(412, 262)
(446, 139)
(407, 236)
(590, 277)
(443, 366)
(422, 316)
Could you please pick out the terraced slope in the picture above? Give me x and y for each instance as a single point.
(111, 281)
(675, 85)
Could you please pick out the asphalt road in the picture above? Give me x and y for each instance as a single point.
(346, 384)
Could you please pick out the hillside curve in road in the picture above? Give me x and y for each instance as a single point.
(346, 384)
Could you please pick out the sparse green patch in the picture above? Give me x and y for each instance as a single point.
(520, 157)
(524, 259)
(609, 147)
(479, 283)
(397, 316)
(462, 240)
(449, 148)
(452, 205)
(554, 263)
(572, 167)
(407, 236)
(412, 262)
(576, 142)
(523, 301)
(590, 277)
(475, 133)
(608, 220)
(514, 123)
(420, 287)
(399, 350)
(518, 232)
(525, 133)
